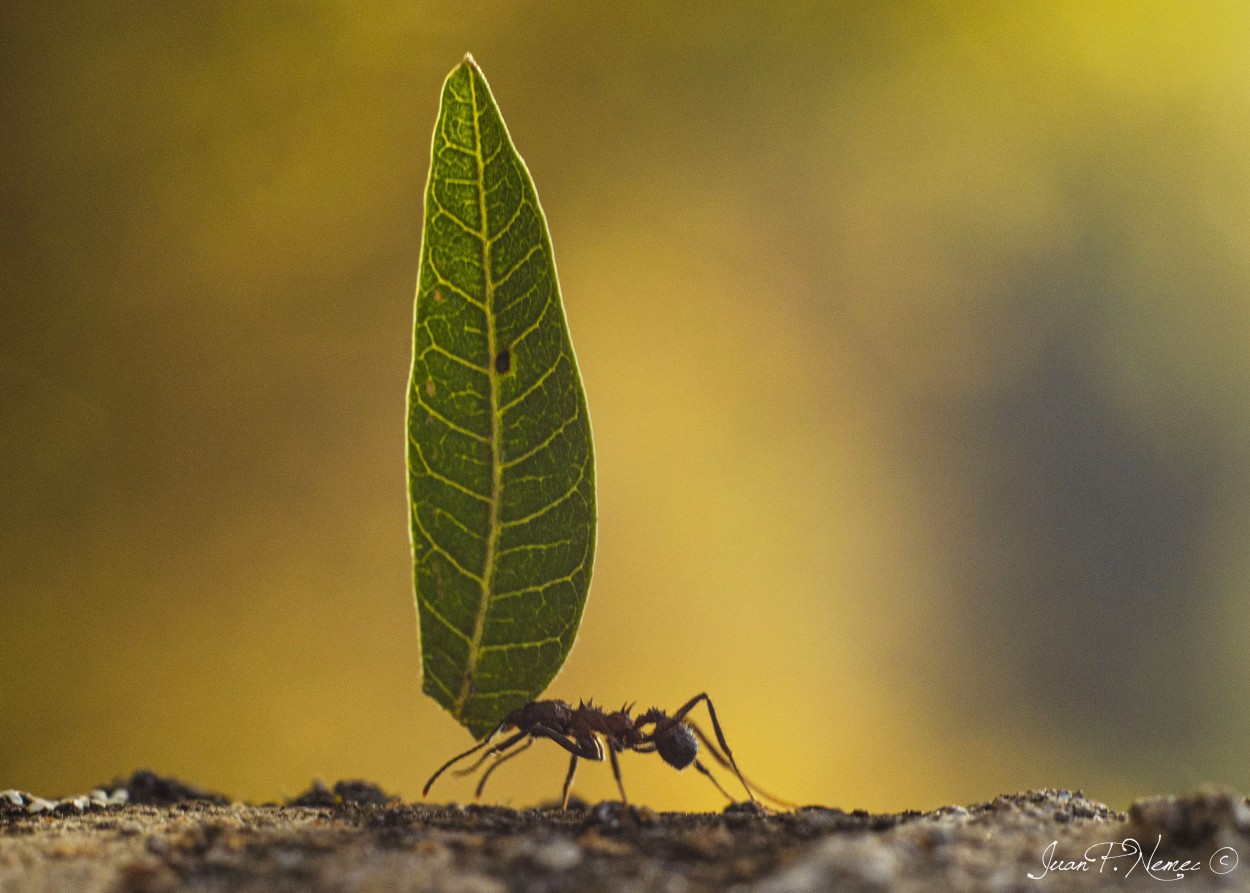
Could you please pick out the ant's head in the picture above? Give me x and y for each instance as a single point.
(677, 745)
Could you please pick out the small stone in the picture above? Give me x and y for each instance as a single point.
(594, 842)
(558, 854)
(14, 798)
(709, 842)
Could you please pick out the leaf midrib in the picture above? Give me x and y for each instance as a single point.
(496, 495)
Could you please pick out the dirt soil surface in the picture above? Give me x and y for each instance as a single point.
(148, 834)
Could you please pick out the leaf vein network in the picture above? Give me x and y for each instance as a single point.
(451, 559)
(564, 497)
(438, 348)
(448, 422)
(533, 387)
(515, 593)
(443, 479)
(536, 249)
(521, 205)
(453, 288)
(534, 451)
(438, 615)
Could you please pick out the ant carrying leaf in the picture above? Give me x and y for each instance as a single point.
(583, 731)
(501, 475)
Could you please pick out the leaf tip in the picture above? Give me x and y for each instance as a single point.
(469, 61)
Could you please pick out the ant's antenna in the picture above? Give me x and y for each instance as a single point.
(472, 750)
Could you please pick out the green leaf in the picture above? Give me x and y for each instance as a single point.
(501, 474)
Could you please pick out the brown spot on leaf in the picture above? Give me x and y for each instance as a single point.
(503, 361)
(429, 387)
(438, 296)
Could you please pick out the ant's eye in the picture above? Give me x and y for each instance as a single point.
(678, 746)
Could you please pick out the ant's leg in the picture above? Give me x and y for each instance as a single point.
(712, 779)
(616, 771)
(724, 762)
(456, 759)
(720, 736)
(568, 782)
(587, 749)
(495, 765)
(490, 752)
(577, 749)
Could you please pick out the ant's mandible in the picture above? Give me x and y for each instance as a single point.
(584, 729)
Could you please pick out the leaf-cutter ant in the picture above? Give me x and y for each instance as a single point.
(584, 729)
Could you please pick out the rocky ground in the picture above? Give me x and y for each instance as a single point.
(148, 834)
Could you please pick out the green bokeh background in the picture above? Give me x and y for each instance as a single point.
(915, 339)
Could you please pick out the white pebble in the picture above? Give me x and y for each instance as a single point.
(559, 854)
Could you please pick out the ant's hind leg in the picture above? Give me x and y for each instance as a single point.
(712, 778)
(720, 758)
(720, 736)
(568, 782)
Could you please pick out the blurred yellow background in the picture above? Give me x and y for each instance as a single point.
(914, 335)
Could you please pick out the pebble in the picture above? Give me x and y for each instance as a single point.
(38, 804)
(98, 798)
(558, 854)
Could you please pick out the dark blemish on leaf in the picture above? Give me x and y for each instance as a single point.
(503, 361)
(429, 387)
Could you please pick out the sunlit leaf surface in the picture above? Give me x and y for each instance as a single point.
(500, 465)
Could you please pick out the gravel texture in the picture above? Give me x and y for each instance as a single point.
(148, 834)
